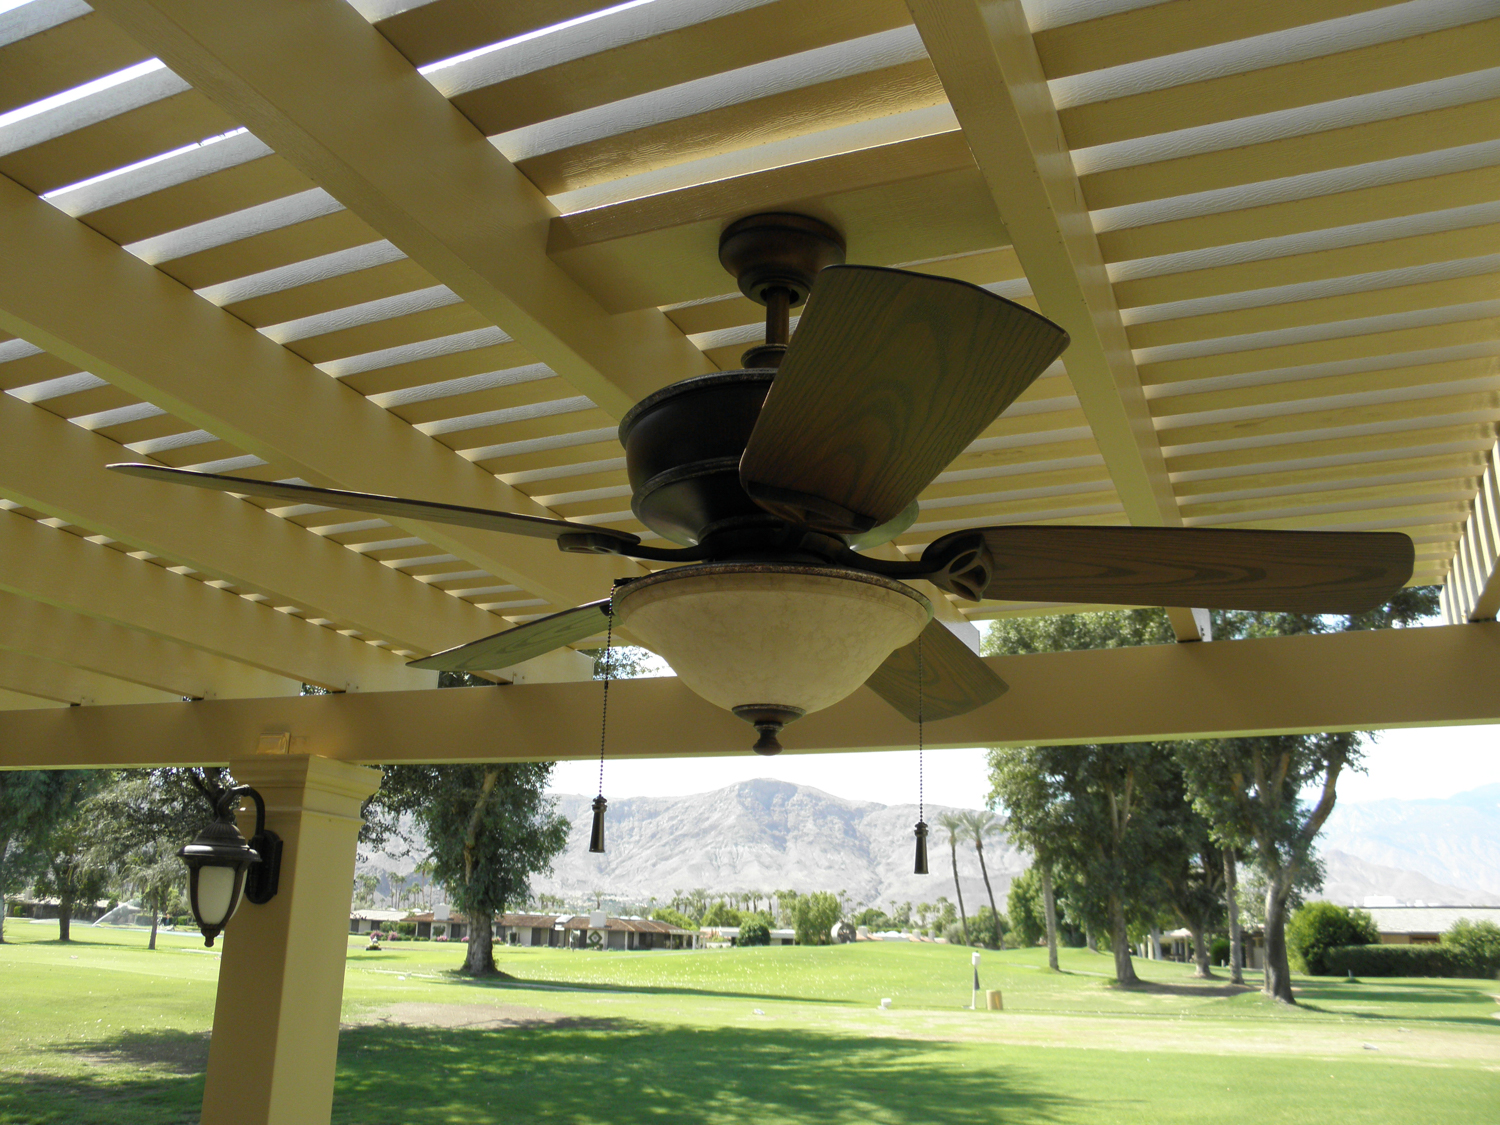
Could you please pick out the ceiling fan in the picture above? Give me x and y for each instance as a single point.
(775, 479)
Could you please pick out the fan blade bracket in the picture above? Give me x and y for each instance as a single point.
(960, 564)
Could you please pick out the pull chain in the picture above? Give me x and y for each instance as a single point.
(596, 837)
(920, 866)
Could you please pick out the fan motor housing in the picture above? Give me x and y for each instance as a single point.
(682, 453)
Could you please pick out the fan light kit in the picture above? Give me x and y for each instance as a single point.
(773, 480)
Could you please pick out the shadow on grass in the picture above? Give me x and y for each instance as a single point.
(1437, 1002)
(508, 981)
(1207, 988)
(621, 1070)
(136, 1078)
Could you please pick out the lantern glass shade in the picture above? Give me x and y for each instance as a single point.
(796, 638)
(217, 861)
(219, 892)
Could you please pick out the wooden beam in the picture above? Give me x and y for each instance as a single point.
(1280, 685)
(68, 572)
(95, 645)
(51, 466)
(109, 313)
(986, 57)
(47, 679)
(332, 96)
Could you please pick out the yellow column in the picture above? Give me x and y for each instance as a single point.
(281, 979)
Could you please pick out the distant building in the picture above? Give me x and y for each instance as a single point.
(730, 935)
(580, 931)
(1424, 925)
(366, 921)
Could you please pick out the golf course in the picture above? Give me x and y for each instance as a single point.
(102, 1030)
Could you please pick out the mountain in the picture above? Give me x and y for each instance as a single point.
(1452, 840)
(767, 835)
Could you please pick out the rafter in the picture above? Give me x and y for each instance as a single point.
(1278, 685)
(62, 683)
(108, 313)
(1472, 589)
(331, 95)
(986, 57)
(38, 629)
(68, 572)
(54, 467)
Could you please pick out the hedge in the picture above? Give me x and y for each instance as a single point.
(1400, 961)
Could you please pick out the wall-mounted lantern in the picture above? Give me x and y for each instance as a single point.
(223, 868)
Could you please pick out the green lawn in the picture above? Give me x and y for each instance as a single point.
(102, 1030)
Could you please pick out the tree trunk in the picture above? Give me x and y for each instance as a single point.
(1232, 903)
(4, 844)
(1090, 939)
(1155, 942)
(65, 915)
(155, 905)
(1049, 911)
(479, 961)
(1200, 951)
(963, 919)
(1278, 971)
(1120, 940)
(994, 911)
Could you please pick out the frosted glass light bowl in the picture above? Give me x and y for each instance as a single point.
(772, 643)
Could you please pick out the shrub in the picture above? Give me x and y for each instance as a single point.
(376, 935)
(754, 931)
(1395, 961)
(1476, 944)
(953, 933)
(406, 929)
(815, 916)
(673, 918)
(721, 914)
(1218, 951)
(1319, 926)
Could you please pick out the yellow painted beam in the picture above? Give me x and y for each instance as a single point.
(109, 313)
(66, 571)
(331, 95)
(52, 466)
(1341, 681)
(16, 701)
(95, 645)
(48, 679)
(986, 57)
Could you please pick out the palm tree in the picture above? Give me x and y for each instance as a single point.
(978, 826)
(953, 824)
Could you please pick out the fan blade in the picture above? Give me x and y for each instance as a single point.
(954, 680)
(392, 507)
(1211, 568)
(890, 375)
(524, 642)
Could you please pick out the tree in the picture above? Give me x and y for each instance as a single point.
(1316, 928)
(1476, 944)
(1102, 814)
(980, 826)
(489, 828)
(720, 914)
(141, 818)
(816, 914)
(1028, 922)
(1250, 789)
(953, 824)
(1192, 872)
(754, 931)
(32, 802)
(365, 887)
(673, 918)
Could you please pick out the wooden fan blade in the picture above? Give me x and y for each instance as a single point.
(954, 680)
(890, 375)
(1211, 568)
(524, 642)
(392, 507)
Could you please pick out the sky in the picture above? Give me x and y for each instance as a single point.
(1422, 762)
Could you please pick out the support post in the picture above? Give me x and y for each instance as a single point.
(281, 979)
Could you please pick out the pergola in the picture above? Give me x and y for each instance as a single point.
(438, 249)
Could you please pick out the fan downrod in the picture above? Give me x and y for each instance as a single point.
(775, 257)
